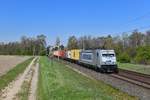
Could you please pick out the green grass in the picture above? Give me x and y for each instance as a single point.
(13, 73)
(58, 82)
(135, 67)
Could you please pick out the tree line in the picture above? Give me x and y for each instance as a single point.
(26, 46)
(129, 48)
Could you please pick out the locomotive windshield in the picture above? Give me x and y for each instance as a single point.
(108, 55)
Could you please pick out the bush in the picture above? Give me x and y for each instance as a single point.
(124, 58)
(143, 55)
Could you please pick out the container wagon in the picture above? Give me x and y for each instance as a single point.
(68, 54)
(60, 53)
(75, 54)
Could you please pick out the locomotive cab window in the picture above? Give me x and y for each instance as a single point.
(108, 55)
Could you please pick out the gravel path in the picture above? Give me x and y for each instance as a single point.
(9, 93)
(142, 93)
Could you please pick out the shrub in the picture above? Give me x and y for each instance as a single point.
(124, 58)
(143, 55)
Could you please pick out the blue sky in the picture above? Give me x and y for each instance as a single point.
(64, 18)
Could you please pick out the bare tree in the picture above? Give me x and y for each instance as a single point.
(72, 43)
(57, 41)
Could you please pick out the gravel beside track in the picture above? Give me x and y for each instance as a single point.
(130, 88)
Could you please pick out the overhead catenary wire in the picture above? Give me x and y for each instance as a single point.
(135, 20)
(139, 28)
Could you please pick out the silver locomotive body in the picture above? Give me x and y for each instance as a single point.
(103, 60)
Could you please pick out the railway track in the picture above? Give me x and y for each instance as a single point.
(142, 80)
(133, 77)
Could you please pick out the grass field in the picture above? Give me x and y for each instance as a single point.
(135, 67)
(13, 73)
(58, 82)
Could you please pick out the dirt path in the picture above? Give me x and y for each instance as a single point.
(10, 92)
(34, 81)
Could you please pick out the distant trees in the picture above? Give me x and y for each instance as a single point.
(27, 46)
(57, 42)
(147, 38)
(58, 45)
(134, 47)
(72, 43)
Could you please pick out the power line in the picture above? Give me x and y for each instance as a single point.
(140, 17)
(136, 19)
(140, 28)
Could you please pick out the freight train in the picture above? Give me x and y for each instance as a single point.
(101, 60)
